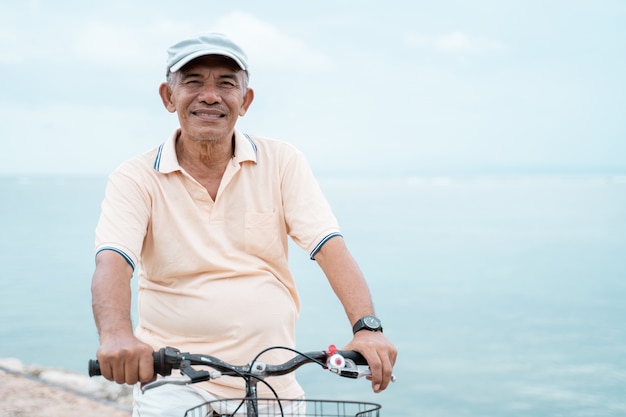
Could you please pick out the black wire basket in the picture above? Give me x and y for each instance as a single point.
(263, 407)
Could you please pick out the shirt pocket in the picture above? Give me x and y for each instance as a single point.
(262, 235)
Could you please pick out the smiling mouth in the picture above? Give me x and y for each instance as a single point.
(209, 114)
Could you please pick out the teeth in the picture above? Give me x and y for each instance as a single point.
(209, 114)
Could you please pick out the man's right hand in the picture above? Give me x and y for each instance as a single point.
(125, 359)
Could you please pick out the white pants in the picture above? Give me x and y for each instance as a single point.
(174, 400)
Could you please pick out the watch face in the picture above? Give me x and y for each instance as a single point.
(372, 322)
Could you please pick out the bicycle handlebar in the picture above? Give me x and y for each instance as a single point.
(343, 363)
(165, 359)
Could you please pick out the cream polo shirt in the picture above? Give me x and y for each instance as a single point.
(213, 275)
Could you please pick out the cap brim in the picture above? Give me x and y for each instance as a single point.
(185, 60)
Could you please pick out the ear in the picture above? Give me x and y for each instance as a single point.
(247, 101)
(165, 91)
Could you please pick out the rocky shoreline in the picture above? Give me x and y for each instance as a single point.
(34, 390)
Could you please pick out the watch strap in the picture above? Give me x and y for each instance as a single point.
(362, 324)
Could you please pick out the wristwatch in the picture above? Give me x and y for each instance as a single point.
(370, 323)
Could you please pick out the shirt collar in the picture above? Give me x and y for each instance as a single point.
(166, 160)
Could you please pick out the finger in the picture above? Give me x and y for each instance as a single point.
(109, 364)
(386, 356)
(119, 372)
(376, 370)
(146, 368)
(131, 375)
(105, 369)
(386, 372)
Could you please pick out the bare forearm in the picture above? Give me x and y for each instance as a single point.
(348, 282)
(111, 295)
(123, 358)
(346, 279)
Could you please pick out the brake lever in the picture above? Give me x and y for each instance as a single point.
(175, 380)
(359, 373)
(189, 376)
(348, 369)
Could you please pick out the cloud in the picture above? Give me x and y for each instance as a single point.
(453, 43)
(126, 46)
(270, 48)
(9, 38)
(109, 44)
(123, 46)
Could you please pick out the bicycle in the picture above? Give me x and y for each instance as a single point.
(343, 363)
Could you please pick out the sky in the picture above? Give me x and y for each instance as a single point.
(368, 87)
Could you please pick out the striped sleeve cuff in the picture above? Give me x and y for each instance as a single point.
(119, 251)
(319, 245)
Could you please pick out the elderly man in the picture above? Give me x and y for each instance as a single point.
(206, 217)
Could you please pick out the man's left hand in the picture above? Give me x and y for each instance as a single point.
(379, 353)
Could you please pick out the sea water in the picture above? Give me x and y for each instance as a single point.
(504, 295)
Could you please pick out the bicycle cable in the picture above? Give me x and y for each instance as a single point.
(256, 358)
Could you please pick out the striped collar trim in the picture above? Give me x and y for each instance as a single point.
(166, 160)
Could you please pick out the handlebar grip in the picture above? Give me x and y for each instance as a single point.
(161, 365)
(94, 367)
(354, 356)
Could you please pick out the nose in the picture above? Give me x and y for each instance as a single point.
(209, 94)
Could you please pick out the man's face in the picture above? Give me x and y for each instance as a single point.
(208, 94)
